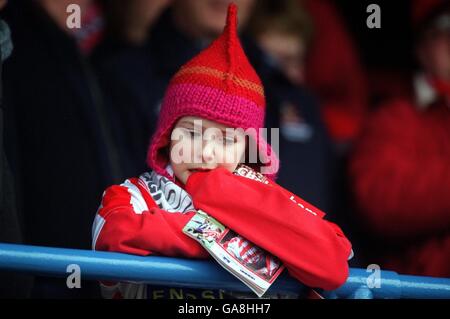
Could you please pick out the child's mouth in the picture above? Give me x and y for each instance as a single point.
(195, 170)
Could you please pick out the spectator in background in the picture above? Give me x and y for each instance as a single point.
(400, 167)
(187, 27)
(130, 22)
(282, 32)
(57, 134)
(335, 74)
(125, 72)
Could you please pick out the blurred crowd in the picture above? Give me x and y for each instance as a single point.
(78, 108)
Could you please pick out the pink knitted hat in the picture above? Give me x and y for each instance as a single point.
(218, 84)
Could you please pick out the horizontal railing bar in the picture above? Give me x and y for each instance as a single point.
(177, 272)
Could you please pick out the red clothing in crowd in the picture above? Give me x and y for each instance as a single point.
(130, 220)
(334, 72)
(401, 174)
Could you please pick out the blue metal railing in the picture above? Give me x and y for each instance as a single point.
(96, 265)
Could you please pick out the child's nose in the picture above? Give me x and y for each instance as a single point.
(208, 152)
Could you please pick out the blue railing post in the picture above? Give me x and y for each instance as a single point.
(96, 265)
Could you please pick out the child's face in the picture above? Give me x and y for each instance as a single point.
(288, 50)
(205, 18)
(198, 144)
(434, 53)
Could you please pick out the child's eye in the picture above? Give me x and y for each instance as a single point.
(194, 134)
(228, 141)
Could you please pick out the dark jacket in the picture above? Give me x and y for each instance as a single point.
(13, 285)
(132, 93)
(57, 131)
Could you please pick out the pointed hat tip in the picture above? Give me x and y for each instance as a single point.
(232, 16)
